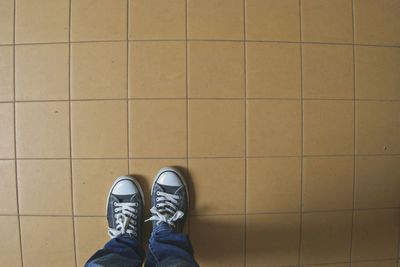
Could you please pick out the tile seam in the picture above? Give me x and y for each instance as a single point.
(245, 132)
(15, 134)
(198, 98)
(299, 260)
(354, 139)
(216, 157)
(127, 87)
(202, 40)
(222, 214)
(70, 131)
(187, 100)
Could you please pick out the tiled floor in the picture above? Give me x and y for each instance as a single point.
(285, 113)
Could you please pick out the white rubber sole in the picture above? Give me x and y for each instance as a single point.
(133, 180)
(180, 177)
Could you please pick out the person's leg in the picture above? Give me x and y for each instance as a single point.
(122, 251)
(124, 216)
(168, 245)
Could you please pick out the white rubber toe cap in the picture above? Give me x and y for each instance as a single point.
(124, 187)
(169, 178)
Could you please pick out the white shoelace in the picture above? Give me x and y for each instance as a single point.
(124, 212)
(165, 209)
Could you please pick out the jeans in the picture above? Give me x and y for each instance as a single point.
(167, 248)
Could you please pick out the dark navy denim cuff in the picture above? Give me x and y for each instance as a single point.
(162, 227)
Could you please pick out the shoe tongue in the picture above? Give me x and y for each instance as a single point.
(125, 198)
(169, 189)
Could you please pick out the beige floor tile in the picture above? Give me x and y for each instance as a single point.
(99, 129)
(327, 21)
(157, 20)
(98, 70)
(391, 263)
(7, 150)
(273, 70)
(218, 186)
(273, 20)
(215, 19)
(145, 171)
(215, 69)
(41, 72)
(273, 185)
(273, 127)
(6, 72)
(6, 21)
(216, 128)
(272, 240)
(10, 247)
(98, 20)
(377, 127)
(8, 196)
(90, 236)
(209, 234)
(377, 22)
(328, 127)
(328, 183)
(42, 130)
(92, 180)
(157, 128)
(35, 21)
(326, 237)
(377, 72)
(375, 234)
(47, 241)
(328, 71)
(377, 182)
(157, 69)
(44, 187)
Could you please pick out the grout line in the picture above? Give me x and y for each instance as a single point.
(295, 212)
(156, 40)
(354, 138)
(299, 260)
(15, 138)
(72, 216)
(347, 262)
(221, 214)
(378, 45)
(214, 157)
(187, 101)
(245, 131)
(70, 132)
(204, 40)
(186, 84)
(202, 98)
(127, 85)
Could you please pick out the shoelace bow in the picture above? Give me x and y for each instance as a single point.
(165, 209)
(125, 219)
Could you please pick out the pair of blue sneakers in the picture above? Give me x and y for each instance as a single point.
(169, 201)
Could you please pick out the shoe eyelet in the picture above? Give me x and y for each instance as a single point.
(158, 193)
(115, 204)
(157, 199)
